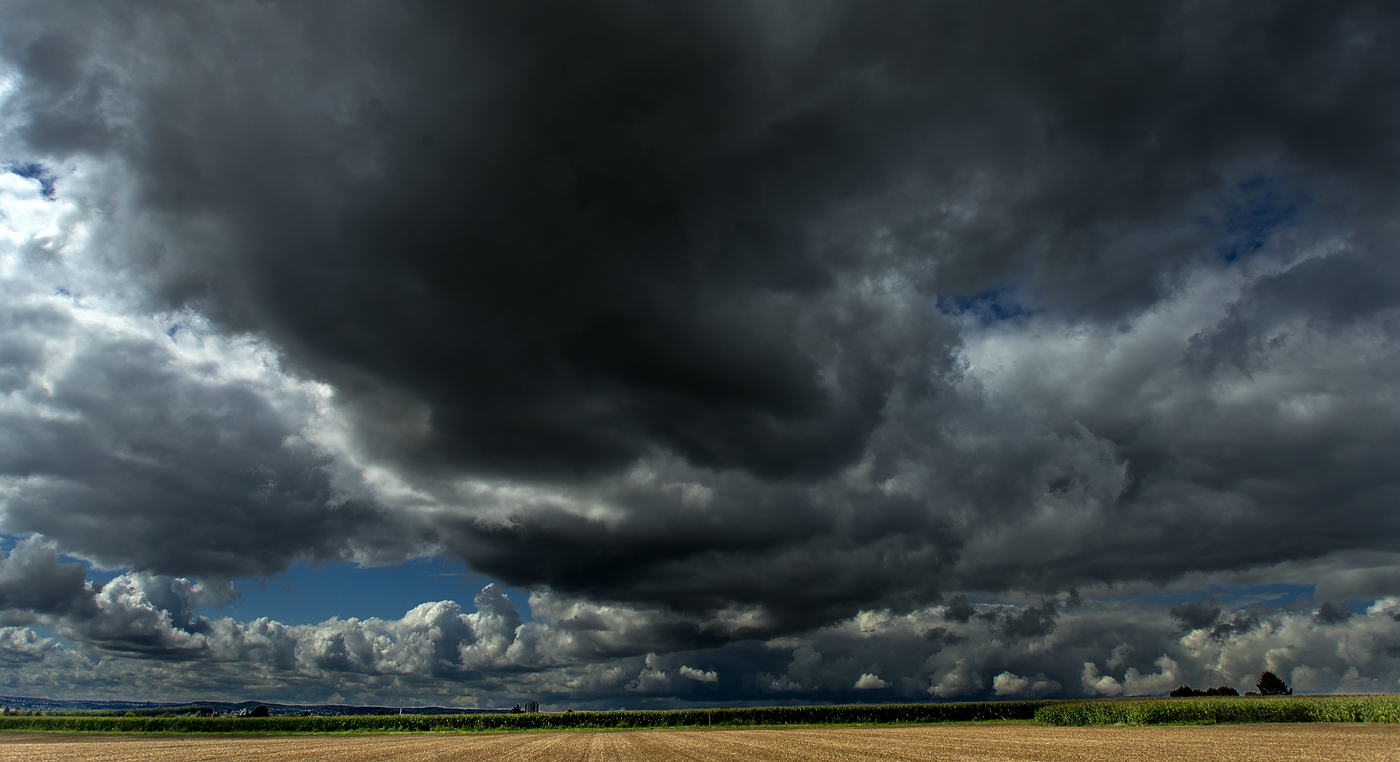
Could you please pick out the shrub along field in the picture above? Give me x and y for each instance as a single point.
(1099, 712)
(1218, 709)
(773, 715)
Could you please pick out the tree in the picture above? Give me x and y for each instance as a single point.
(1219, 690)
(1270, 684)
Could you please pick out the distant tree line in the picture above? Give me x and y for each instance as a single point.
(1219, 690)
(1268, 684)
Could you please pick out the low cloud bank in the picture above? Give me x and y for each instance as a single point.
(142, 632)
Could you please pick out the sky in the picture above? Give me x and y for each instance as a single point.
(620, 354)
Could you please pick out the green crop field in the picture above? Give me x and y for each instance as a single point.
(1096, 712)
(781, 715)
(1218, 709)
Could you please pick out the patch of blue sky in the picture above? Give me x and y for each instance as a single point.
(305, 594)
(35, 171)
(1242, 596)
(45, 631)
(999, 304)
(1262, 207)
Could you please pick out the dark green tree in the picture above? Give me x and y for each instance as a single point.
(1270, 684)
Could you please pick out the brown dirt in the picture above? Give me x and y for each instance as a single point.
(952, 743)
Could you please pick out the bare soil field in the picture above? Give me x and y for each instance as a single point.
(951, 743)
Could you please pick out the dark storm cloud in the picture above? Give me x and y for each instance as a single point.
(118, 453)
(656, 297)
(800, 564)
(1329, 614)
(1238, 624)
(179, 478)
(755, 315)
(1031, 622)
(578, 231)
(959, 610)
(1196, 615)
(149, 441)
(35, 580)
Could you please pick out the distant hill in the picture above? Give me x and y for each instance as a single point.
(38, 703)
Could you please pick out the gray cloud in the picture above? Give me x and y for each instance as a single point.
(724, 323)
(150, 441)
(490, 656)
(34, 579)
(1329, 614)
(218, 488)
(1033, 621)
(959, 609)
(1196, 615)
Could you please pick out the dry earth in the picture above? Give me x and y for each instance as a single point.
(927, 742)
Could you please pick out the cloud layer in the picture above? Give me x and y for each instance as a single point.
(144, 630)
(716, 325)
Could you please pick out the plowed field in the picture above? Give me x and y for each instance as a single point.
(927, 742)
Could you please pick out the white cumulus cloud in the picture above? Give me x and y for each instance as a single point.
(869, 682)
(703, 676)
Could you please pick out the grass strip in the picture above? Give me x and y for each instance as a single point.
(1222, 709)
(799, 715)
(1152, 711)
